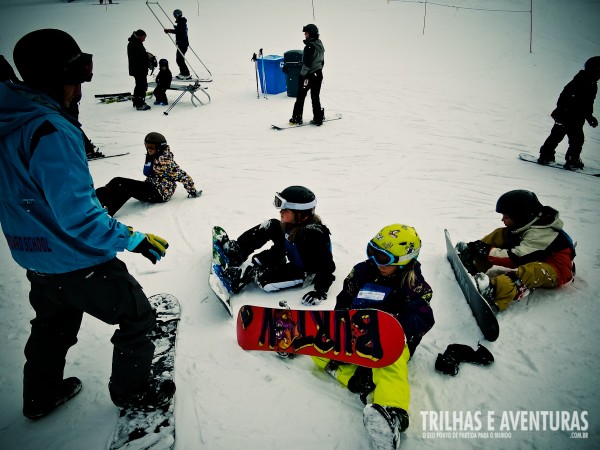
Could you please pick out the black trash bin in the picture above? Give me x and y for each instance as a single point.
(292, 63)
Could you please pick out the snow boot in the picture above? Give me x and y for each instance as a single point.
(233, 252)
(384, 424)
(296, 120)
(466, 257)
(184, 77)
(318, 119)
(573, 163)
(69, 388)
(486, 289)
(544, 160)
(143, 107)
(155, 395)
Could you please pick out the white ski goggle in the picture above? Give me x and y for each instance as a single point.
(281, 203)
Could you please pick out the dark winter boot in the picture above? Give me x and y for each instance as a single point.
(384, 424)
(318, 119)
(233, 253)
(68, 389)
(296, 120)
(573, 163)
(466, 257)
(143, 107)
(153, 396)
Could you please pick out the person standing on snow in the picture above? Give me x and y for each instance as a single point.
(57, 231)
(533, 244)
(389, 280)
(163, 82)
(182, 42)
(138, 68)
(162, 173)
(301, 248)
(575, 106)
(311, 77)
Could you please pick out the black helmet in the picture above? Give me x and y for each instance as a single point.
(592, 64)
(177, 13)
(157, 139)
(520, 205)
(311, 29)
(51, 58)
(296, 198)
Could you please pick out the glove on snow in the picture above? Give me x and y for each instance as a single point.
(457, 353)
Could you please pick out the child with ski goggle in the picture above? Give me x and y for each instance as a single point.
(389, 280)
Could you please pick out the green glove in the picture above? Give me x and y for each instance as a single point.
(151, 246)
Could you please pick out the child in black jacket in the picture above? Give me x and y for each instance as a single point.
(575, 106)
(163, 82)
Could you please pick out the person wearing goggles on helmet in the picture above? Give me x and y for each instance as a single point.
(389, 280)
(301, 249)
(532, 244)
(57, 231)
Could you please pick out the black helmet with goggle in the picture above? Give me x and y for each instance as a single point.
(48, 58)
(295, 198)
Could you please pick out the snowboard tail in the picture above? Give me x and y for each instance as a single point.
(481, 309)
(219, 285)
(365, 337)
(153, 429)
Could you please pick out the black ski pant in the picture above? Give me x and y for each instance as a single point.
(573, 130)
(161, 94)
(118, 190)
(139, 91)
(180, 60)
(312, 83)
(274, 272)
(107, 292)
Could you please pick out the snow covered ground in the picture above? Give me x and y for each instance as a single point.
(433, 123)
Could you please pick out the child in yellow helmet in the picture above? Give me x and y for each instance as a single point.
(389, 280)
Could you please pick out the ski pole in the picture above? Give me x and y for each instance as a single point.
(256, 73)
(264, 80)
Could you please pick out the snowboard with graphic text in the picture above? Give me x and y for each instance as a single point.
(365, 337)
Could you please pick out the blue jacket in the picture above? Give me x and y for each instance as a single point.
(49, 212)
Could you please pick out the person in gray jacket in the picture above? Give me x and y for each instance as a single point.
(311, 77)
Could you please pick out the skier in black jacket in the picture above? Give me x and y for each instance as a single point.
(181, 41)
(575, 106)
(311, 76)
(138, 68)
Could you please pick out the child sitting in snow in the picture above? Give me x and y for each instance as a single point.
(533, 243)
(162, 173)
(389, 280)
(301, 249)
(163, 82)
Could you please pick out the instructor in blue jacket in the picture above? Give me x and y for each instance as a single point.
(57, 231)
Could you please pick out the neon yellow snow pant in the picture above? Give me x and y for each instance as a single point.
(391, 382)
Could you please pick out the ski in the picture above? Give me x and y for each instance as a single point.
(285, 127)
(586, 170)
(94, 158)
(117, 94)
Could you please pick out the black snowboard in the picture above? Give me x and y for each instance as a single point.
(153, 429)
(482, 311)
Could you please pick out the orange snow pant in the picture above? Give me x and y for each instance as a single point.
(532, 275)
(391, 382)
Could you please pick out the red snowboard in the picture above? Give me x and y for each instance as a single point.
(365, 337)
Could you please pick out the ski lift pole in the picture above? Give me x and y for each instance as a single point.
(148, 3)
(256, 73)
(264, 77)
